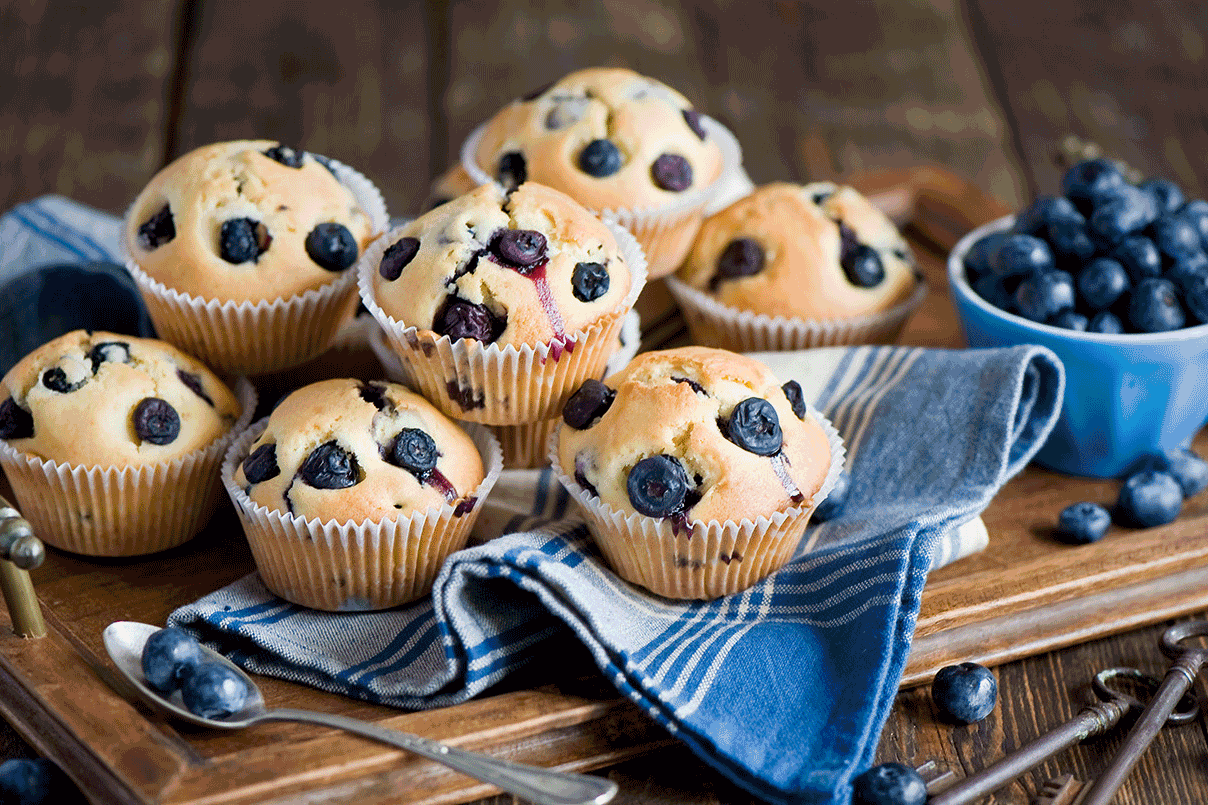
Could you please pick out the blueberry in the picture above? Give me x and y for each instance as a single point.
(15, 421)
(157, 230)
(1101, 283)
(657, 486)
(106, 351)
(1021, 255)
(992, 289)
(796, 397)
(1044, 294)
(862, 267)
(1034, 218)
(156, 421)
(1188, 469)
(1105, 322)
(1175, 237)
(193, 383)
(289, 157)
(214, 691)
(414, 451)
(330, 466)
(1196, 213)
(1080, 523)
(692, 384)
(396, 258)
(1125, 211)
(832, 505)
(742, 257)
(261, 464)
(589, 402)
(1165, 193)
(1148, 499)
(519, 248)
(55, 379)
(964, 693)
(243, 239)
(755, 427)
(600, 158)
(977, 259)
(458, 319)
(692, 118)
(325, 162)
(1195, 294)
(35, 781)
(1139, 256)
(1069, 239)
(332, 246)
(169, 656)
(512, 170)
(589, 281)
(671, 172)
(1069, 319)
(1185, 271)
(889, 784)
(1090, 178)
(1154, 307)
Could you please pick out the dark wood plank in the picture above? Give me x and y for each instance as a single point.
(85, 96)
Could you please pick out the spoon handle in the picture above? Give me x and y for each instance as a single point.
(532, 783)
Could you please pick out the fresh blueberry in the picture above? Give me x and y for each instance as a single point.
(600, 158)
(56, 380)
(1185, 271)
(1021, 255)
(169, 656)
(414, 451)
(742, 257)
(242, 240)
(214, 691)
(657, 486)
(671, 172)
(589, 281)
(1195, 294)
(156, 421)
(588, 403)
(977, 259)
(332, 246)
(889, 784)
(1044, 294)
(289, 157)
(261, 464)
(512, 170)
(1105, 322)
(862, 267)
(108, 352)
(1101, 283)
(964, 693)
(1154, 307)
(396, 258)
(192, 382)
(1069, 319)
(796, 397)
(1139, 256)
(1069, 239)
(15, 421)
(35, 781)
(157, 230)
(1034, 218)
(1196, 213)
(755, 427)
(330, 466)
(1187, 467)
(692, 118)
(519, 248)
(1125, 211)
(458, 319)
(1149, 499)
(994, 291)
(1088, 179)
(1175, 238)
(1080, 523)
(1165, 193)
(832, 506)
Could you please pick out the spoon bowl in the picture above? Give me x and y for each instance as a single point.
(124, 641)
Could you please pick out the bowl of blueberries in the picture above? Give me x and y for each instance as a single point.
(1113, 277)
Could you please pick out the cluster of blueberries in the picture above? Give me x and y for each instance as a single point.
(963, 694)
(1151, 496)
(173, 660)
(1105, 257)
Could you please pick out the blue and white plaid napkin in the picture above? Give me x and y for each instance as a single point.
(783, 688)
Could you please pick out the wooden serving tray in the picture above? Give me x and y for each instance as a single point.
(1027, 593)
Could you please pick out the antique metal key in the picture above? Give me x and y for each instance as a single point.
(1187, 664)
(1093, 720)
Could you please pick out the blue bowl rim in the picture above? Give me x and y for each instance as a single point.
(956, 279)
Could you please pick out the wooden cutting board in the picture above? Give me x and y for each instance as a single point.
(1025, 594)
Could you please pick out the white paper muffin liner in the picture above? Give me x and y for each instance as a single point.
(246, 337)
(714, 324)
(665, 232)
(504, 385)
(122, 511)
(350, 566)
(713, 559)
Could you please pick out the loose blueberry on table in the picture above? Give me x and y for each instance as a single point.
(1083, 522)
(1149, 499)
(889, 784)
(964, 693)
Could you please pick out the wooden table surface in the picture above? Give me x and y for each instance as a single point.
(93, 101)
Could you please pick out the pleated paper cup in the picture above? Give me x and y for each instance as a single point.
(714, 324)
(246, 337)
(526, 447)
(665, 232)
(350, 566)
(508, 385)
(711, 559)
(391, 363)
(122, 511)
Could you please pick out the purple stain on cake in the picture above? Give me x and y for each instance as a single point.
(465, 398)
(437, 480)
(15, 421)
(156, 421)
(692, 118)
(692, 384)
(158, 229)
(671, 172)
(780, 467)
(464, 507)
(193, 383)
(396, 258)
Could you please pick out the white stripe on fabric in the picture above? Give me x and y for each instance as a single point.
(874, 399)
(719, 618)
(883, 366)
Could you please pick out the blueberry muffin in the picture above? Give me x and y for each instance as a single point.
(112, 444)
(449, 185)
(671, 455)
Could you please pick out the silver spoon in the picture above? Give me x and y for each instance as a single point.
(124, 641)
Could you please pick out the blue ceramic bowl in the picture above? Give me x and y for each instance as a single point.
(1125, 395)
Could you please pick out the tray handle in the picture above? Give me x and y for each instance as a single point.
(20, 552)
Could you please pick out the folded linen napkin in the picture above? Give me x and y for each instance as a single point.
(783, 688)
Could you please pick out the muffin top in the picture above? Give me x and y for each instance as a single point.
(246, 220)
(101, 399)
(813, 252)
(694, 434)
(449, 185)
(526, 267)
(346, 450)
(608, 137)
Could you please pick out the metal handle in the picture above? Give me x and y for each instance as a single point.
(532, 783)
(20, 552)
